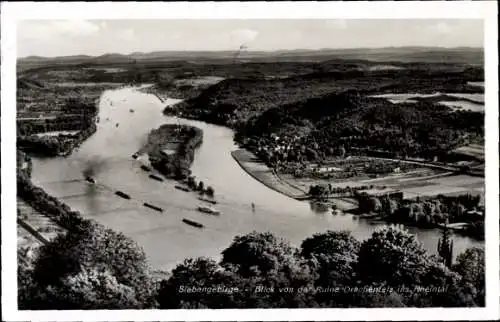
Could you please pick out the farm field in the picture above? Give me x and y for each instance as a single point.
(421, 182)
(197, 81)
(474, 102)
(480, 84)
(56, 133)
(479, 98)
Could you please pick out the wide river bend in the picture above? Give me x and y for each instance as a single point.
(126, 117)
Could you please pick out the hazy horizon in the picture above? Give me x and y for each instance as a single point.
(267, 51)
(52, 38)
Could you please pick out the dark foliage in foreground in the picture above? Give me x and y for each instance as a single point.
(88, 268)
(329, 270)
(95, 268)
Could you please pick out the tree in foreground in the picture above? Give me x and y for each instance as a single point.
(91, 288)
(471, 266)
(196, 283)
(260, 267)
(392, 256)
(95, 267)
(261, 250)
(336, 254)
(445, 247)
(263, 260)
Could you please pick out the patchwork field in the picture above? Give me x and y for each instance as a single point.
(463, 105)
(473, 102)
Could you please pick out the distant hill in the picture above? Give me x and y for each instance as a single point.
(465, 55)
(35, 59)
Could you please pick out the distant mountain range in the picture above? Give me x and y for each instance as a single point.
(403, 54)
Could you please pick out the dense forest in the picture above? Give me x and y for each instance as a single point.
(354, 121)
(335, 108)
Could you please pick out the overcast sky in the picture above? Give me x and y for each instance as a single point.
(96, 37)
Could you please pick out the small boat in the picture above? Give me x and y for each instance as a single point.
(135, 155)
(145, 168)
(192, 223)
(90, 180)
(131, 111)
(122, 194)
(182, 188)
(117, 124)
(213, 202)
(152, 176)
(153, 207)
(208, 210)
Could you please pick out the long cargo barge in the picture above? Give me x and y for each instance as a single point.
(153, 207)
(213, 202)
(122, 194)
(192, 223)
(182, 188)
(145, 168)
(152, 176)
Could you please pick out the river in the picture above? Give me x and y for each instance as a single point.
(126, 117)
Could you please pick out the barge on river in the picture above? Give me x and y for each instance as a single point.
(182, 188)
(122, 194)
(145, 168)
(208, 210)
(152, 176)
(153, 207)
(213, 202)
(192, 223)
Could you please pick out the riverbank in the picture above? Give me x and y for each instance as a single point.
(171, 149)
(36, 224)
(61, 145)
(47, 205)
(162, 96)
(172, 92)
(262, 173)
